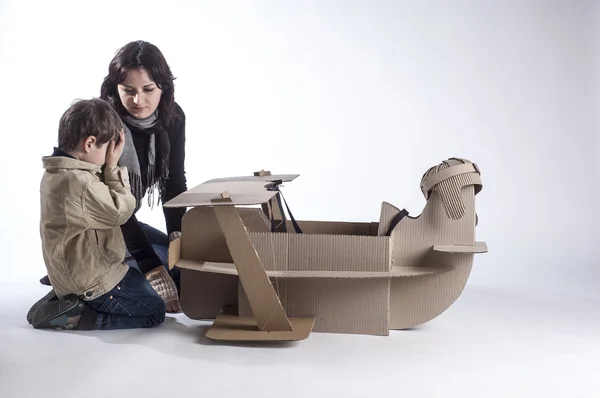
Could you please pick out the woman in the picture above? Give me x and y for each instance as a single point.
(139, 85)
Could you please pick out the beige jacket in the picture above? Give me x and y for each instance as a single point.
(81, 214)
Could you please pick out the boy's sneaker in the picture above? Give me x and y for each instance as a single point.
(59, 314)
(48, 297)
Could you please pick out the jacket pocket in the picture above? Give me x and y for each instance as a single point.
(112, 305)
(112, 250)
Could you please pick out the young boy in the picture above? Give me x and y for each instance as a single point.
(82, 208)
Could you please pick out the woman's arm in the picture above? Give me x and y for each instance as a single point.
(176, 183)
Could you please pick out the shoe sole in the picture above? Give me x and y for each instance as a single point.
(51, 310)
(48, 297)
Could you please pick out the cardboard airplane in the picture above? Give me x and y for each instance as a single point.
(262, 277)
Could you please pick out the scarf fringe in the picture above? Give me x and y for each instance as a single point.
(136, 189)
(153, 185)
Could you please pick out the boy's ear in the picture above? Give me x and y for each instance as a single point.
(88, 143)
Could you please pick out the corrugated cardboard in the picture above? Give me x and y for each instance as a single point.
(334, 277)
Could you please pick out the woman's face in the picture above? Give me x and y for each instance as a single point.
(139, 95)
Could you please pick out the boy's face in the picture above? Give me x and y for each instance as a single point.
(94, 153)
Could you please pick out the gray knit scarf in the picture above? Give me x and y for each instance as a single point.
(159, 145)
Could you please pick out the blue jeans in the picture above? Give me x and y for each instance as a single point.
(133, 303)
(160, 243)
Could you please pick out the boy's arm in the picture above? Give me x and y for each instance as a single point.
(109, 204)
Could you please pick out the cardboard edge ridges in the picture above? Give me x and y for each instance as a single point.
(174, 252)
(270, 322)
(442, 235)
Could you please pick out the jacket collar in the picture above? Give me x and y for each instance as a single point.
(69, 163)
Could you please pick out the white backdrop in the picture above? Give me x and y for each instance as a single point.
(359, 97)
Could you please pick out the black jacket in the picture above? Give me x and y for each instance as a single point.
(135, 238)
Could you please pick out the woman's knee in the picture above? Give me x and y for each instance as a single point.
(155, 236)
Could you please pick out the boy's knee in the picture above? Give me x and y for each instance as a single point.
(160, 311)
(161, 315)
(157, 320)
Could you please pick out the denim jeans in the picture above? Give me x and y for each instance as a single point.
(133, 303)
(160, 243)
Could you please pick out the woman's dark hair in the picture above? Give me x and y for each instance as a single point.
(137, 55)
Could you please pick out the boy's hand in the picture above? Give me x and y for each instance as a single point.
(113, 153)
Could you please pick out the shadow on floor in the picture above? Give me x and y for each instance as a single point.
(189, 341)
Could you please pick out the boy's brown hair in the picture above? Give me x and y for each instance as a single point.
(84, 118)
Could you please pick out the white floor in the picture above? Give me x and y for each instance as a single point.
(488, 344)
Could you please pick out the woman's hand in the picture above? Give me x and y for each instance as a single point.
(174, 235)
(163, 284)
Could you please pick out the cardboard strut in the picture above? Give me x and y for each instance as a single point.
(259, 282)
